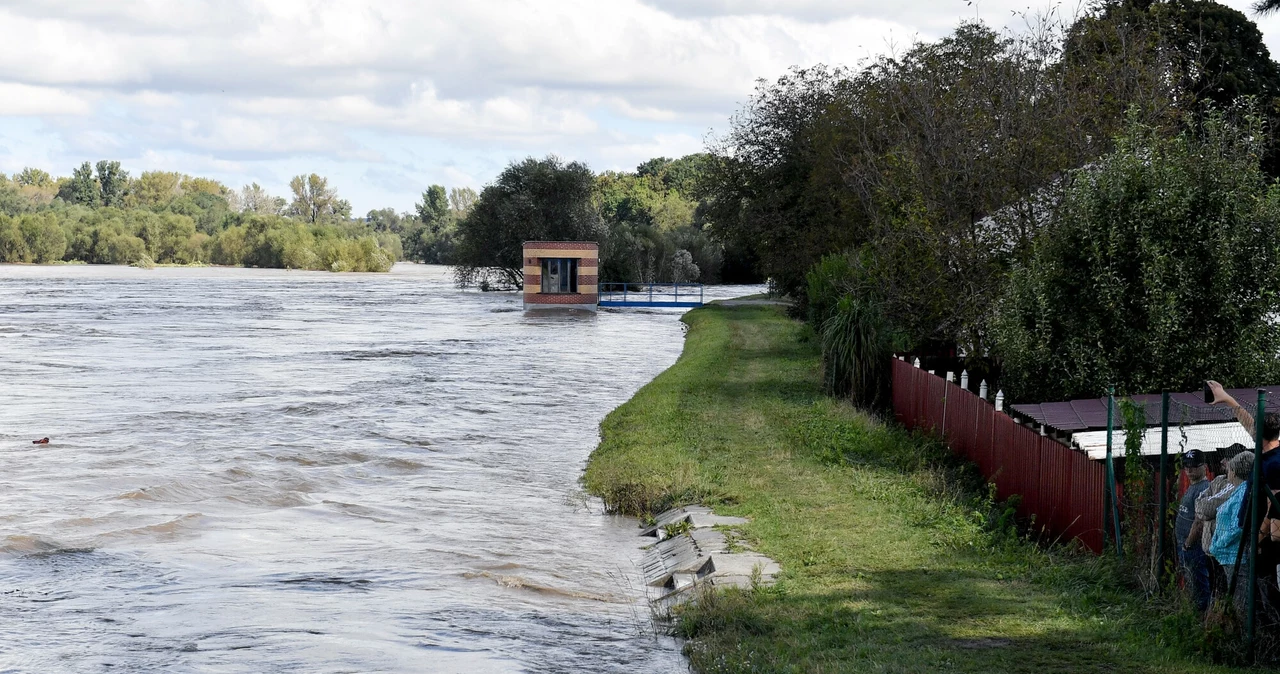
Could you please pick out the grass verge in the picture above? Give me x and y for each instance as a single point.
(893, 557)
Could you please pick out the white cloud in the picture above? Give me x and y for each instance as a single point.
(30, 100)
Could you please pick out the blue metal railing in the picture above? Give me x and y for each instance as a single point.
(651, 294)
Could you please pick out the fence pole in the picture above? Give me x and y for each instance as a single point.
(944, 407)
(1255, 521)
(1164, 484)
(1110, 506)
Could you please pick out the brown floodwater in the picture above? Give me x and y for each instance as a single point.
(271, 471)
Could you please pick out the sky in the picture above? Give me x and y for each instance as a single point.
(385, 98)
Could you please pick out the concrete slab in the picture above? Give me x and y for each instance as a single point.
(674, 567)
(697, 517)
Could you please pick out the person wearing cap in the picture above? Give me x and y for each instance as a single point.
(1191, 556)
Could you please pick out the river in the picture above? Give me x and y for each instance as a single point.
(280, 471)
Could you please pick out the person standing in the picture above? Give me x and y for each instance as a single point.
(1191, 557)
(1207, 504)
(1270, 434)
(1269, 466)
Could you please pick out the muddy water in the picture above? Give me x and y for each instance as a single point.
(268, 471)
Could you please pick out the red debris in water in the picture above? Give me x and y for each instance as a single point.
(41, 441)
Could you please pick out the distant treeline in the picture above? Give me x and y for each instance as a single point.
(101, 215)
(649, 222)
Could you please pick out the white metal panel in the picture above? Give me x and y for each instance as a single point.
(1204, 437)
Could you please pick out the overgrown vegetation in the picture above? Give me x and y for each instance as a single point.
(1155, 271)
(1013, 196)
(894, 557)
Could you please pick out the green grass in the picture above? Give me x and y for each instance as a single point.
(893, 559)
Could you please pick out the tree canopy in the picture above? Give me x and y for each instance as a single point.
(1156, 270)
(915, 195)
(535, 199)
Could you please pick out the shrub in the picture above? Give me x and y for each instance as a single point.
(13, 246)
(125, 249)
(856, 347)
(1155, 271)
(828, 282)
(45, 240)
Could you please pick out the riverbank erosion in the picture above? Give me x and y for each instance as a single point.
(893, 558)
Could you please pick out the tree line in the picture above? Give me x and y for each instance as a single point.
(649, 222)
(102, 215)
(1086, 202)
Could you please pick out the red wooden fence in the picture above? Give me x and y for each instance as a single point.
(1059, 486)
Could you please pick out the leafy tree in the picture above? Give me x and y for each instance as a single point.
(200, 185)
(125, 249)
(114, 183)
(45, 240)
(33, 177)
(1157, 271)
(12, 201)
(655, 167)
(313, 199)
(683, 269)
(82, 188)
(13, 246)
(1217, 53)
(647, 222)
(764, 192)
(461, 199)
(386, 220)
(156, 188)
(1202, 52)
(254, 199)
(535, 199)
(430, 237)
(434, 207)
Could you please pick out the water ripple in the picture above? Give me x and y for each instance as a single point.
(260, 470)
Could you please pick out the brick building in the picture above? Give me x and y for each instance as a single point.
(561, 275)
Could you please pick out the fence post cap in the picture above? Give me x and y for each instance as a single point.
(917, 363)
(951, 376)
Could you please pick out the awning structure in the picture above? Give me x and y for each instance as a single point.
(1090, 414)
(1204, 437)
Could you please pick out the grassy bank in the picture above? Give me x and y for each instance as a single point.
(893, 561)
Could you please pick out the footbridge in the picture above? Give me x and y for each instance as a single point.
(651, 294)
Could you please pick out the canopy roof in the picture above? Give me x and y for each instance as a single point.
(1091, 413)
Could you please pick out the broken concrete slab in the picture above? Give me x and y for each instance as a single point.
(696, 516)
(699, 556)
